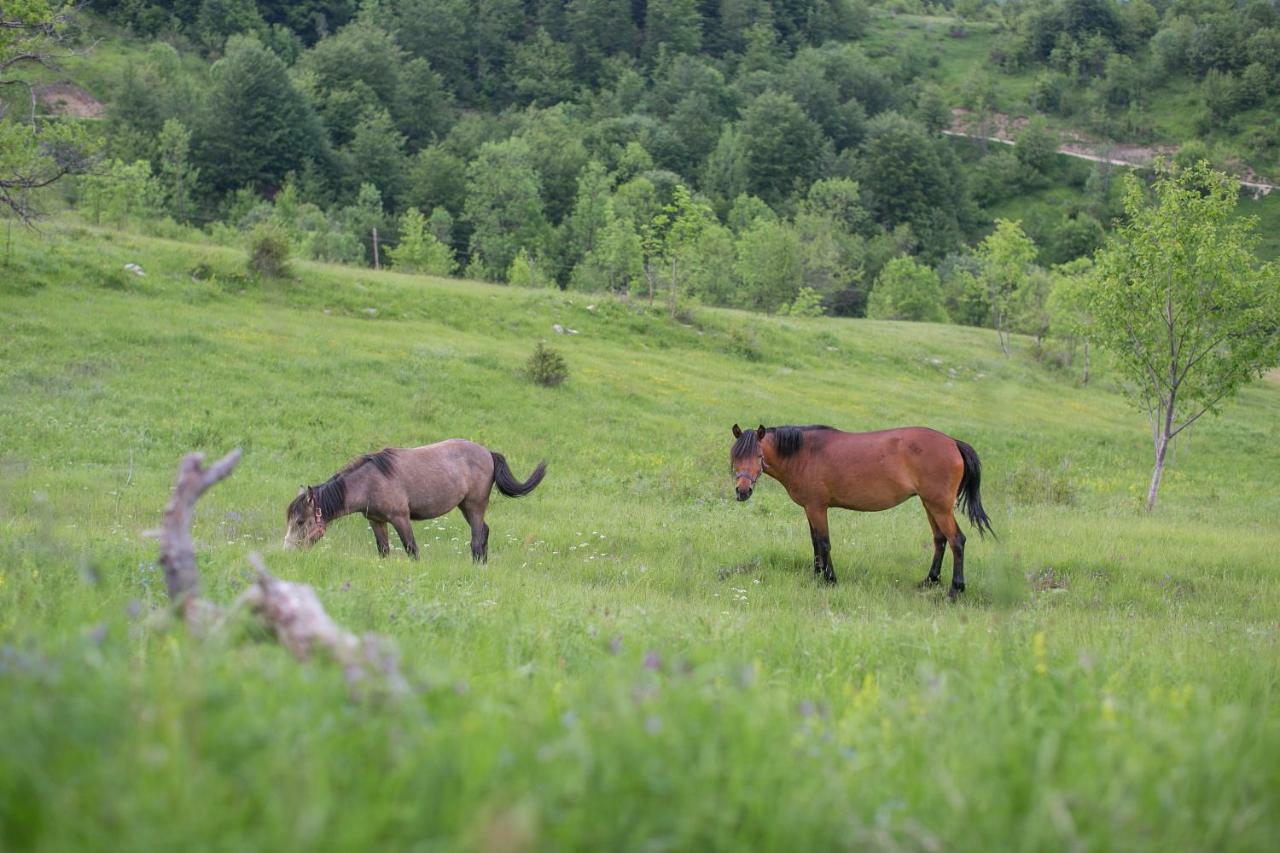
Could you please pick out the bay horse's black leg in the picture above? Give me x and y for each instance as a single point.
(957, 564)
(818, 531)
(405, 530)
(828, 570)
(819, 562)
(380, 536)
(939, 551)
(935, 568)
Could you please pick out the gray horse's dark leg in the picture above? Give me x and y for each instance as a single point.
(405, 530)
(380, 536)
(473, 512)
(480, 543)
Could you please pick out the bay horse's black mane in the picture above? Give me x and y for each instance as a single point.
(331, 495)
(787, 440)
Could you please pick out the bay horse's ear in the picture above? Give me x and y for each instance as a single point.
(737, 431)
(760, 432)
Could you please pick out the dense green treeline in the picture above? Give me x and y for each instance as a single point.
(738, 152)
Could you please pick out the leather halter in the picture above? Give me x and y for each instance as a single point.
(319, 517)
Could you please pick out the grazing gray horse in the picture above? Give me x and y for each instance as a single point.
(398, 485)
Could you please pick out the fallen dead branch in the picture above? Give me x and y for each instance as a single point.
(292, 612)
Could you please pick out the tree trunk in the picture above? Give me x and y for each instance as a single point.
(377, 264)
(672, 301)
(1085, 380)
(1162, 432)
(1162, 447)
(1002, 335)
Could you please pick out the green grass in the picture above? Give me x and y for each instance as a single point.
(644, 663)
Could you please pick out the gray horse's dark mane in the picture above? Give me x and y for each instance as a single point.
(331, 495)
(384, 460)
(787, 440)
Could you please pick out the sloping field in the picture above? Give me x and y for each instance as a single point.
(643, 663)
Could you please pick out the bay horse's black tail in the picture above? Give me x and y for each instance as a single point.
(969, 499)
(506, 481)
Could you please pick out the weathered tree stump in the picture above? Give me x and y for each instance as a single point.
(177, 548)
(291, 611)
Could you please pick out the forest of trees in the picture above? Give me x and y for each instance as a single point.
(738, 152)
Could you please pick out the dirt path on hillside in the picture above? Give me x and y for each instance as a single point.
(1002, 128)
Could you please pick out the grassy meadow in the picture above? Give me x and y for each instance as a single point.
(644, 663)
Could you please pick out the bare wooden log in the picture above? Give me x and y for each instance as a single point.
(294, 612)
(177, 549)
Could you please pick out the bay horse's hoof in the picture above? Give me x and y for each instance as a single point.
(928, 582)
(954, 592)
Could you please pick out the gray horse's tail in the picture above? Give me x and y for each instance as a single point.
(506, 481)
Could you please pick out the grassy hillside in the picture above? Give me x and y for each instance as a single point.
(643, 663)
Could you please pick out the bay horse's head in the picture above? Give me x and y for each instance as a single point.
(746, 460)
(304, 522)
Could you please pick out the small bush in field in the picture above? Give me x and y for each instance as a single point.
(1036, 484)
(269, 251)
(546, 366)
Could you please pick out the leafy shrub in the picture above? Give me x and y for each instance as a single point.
(808, 303)
(742, 342)
(419, 250)
(906, 290)
(269, 251)
(1036, 484)
(546, 366)
(528, 270)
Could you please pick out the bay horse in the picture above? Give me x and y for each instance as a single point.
(823, 467)
(398, 485)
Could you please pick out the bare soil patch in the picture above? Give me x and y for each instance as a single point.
(68, 99)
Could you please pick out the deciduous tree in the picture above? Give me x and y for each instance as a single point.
(781, 146)
(176, 172)
(1182, 303)
(256, 127)
(504, 206)
(1007, 255)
